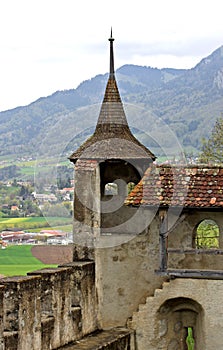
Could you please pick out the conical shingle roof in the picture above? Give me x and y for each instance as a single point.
(112, 138)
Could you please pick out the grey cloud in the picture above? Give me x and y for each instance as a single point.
(196, 47)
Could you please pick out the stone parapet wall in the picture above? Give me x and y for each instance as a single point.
(22, 312)
(1, 318)
(119, 338)
(48, 308)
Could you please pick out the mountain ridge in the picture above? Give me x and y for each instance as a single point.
(187, 101)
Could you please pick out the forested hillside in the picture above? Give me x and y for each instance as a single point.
(158, 102)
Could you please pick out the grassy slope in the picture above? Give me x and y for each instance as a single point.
(29, 169)
(18, 260)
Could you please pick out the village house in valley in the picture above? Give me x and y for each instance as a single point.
(141, 276)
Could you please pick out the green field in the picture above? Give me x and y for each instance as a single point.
(30, 168)
(64, 228)
(17, 260)
(27, 223)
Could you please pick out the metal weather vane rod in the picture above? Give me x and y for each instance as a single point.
(112, 71)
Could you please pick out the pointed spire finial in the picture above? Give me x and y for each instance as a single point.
(111, 38)
(112, 71)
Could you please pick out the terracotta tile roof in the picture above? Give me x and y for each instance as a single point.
(187, 186)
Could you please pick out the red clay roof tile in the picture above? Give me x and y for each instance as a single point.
(188, 186)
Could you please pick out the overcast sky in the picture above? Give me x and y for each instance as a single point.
(50, 45)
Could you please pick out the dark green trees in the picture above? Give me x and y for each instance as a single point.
(212, 150)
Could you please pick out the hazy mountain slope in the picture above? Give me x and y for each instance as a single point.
(191, 103)
(186, 102)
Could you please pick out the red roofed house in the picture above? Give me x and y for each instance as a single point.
(14, 207)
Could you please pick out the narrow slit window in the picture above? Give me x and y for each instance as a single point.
(190, 339)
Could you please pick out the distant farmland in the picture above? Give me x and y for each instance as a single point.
(30, 223)
(17, 260)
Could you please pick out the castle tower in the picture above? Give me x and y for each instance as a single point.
(142, 241)
(107, 163)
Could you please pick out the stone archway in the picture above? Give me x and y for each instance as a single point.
(177, 316)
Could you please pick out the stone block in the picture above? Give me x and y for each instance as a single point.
(22, 322)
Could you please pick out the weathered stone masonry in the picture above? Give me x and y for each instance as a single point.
(48, 308)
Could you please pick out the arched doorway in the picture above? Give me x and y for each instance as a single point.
(181, 322)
